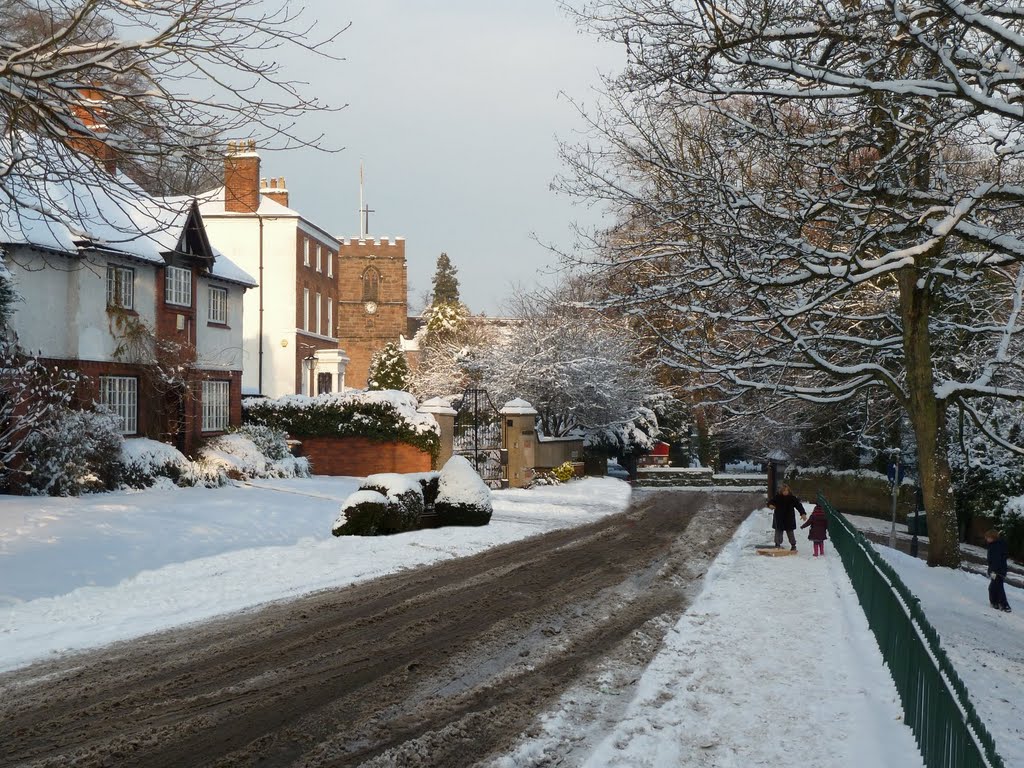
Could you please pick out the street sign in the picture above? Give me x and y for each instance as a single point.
(892, 471)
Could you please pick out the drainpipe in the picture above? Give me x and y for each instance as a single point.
(260, 331)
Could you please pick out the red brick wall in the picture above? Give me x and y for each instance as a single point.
(359, 457)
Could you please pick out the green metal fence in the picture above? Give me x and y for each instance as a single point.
(948, 730)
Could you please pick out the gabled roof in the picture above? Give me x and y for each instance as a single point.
(211, 204)
(70, 205)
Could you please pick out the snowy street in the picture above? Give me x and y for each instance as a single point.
(655, 638)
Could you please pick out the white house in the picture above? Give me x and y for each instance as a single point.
(125, 288)
(290, 339)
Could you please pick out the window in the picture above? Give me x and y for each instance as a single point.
(218, 306)
(120, 395)
(216, 405)
(319, 304)
(305, 251)
(330, 263)
(178, 286)
(305, 309)
(330, 317)
(371, 285)
(120, 287)
(323, 383)
(319, 258)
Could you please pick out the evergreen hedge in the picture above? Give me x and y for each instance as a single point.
(339, 418)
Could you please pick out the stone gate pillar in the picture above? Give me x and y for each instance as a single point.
(519, 423)
(444, 415)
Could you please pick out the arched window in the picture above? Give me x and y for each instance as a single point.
(371, 284)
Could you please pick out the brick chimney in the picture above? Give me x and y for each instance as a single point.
(90, 113)
(241, 177)
(275, 190)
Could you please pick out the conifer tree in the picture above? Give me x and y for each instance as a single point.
(446, 284)
(389, 369)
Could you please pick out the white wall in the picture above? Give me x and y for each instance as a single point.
(218, 347)
(62, 313)
(239, 238)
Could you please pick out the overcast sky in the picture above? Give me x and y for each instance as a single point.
(454, 109)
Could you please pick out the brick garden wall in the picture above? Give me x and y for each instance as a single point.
(358, 456)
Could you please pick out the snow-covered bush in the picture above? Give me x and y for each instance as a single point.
(462, 497)
(389, 369)
(384, 504)
(272, 443)
(238, 457)
(363, 513)
(428, 485)
(563, 473)
(145, 463)
(71, 453)
(384, 415)
(405, 499)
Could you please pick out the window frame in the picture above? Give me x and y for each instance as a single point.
(330, 263)
(305, 251)
(330, 317)
(113, 270)
(319, 314)
(175, 286)
(216, 410)
(319, 258)
(210, 317)
(305, 309)
(125, 401)
(371, 288)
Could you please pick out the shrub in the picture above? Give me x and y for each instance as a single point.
(363, 513)
(74, 452)
(428, 486)
(272, 443)
(386, 415)
(564, 472)
(462, 497)
(143, 462)
(405, 500)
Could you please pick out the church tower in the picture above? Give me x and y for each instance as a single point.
(372, 301)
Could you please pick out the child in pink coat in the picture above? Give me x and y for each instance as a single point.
(818, 523)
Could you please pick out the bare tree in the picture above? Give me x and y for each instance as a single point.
(154, 84)
(828, 193)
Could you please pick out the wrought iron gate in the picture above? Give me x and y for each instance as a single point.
(479, 436)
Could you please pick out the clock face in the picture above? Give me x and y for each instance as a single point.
(370, 307)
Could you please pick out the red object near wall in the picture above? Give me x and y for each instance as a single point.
(359, 456)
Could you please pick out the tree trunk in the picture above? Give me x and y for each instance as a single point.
(927, 415)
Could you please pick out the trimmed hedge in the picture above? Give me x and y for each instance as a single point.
(335, 417)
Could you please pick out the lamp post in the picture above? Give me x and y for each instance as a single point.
(918, 503)
(894, 477)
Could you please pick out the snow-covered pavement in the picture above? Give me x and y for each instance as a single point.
(773, 664)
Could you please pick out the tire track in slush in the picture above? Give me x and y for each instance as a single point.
(437, 666)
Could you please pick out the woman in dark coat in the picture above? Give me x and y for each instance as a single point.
(818, 523)
(785, 505)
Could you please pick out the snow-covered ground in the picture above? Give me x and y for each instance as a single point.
(772, 664)
(79, 573)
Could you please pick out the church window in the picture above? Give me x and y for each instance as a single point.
(371, 285)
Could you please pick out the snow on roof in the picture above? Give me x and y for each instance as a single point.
(225, 269)
(69, 203)
(211, 203)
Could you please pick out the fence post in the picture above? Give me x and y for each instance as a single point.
(444, 415)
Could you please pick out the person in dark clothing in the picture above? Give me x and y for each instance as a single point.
(818, 523)
(997, 566)
(785, 505)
